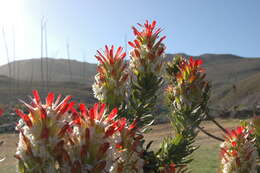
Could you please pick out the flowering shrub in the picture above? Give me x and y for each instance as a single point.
(238, 152)
(187, 96)
(58, 136)
(146, 65)
(54, 137)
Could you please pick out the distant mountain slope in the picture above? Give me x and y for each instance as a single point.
(12, 90)
(235, 80)
(58, 70)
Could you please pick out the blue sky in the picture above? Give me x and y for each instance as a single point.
(192, 26)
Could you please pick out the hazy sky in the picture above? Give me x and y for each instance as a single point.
(191, 26)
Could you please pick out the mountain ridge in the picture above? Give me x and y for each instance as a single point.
(225, 71)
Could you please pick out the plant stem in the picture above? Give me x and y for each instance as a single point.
(217, 124)
(210, 135)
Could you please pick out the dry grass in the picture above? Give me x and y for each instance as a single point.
(8, 150)
(206, 157)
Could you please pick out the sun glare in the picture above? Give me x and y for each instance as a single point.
(10, 12)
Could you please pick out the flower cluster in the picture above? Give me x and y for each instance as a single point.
(109, 86)
(128, 150)
(187, 85)
(59, 138)
(238, 153)
(146, 56)
(41, 133)
(97, 140)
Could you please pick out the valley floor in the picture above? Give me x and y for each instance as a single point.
(206, 157)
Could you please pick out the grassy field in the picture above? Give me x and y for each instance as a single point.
(206, 157)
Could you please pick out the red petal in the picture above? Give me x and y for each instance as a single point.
(131, 44)
(71, 104)
(101, 111)
(50, 99)
(77, 121)
(100, 54)
(63, 102)
(65, 108)
(109, 132)
(82, 108)
(99, 59)
(37, 96)
(239, 130)
(161, 39)
(122, 56)
(137, 43)
(153, 24)
(119, 146)
(91, 114)
(24, 117)
(112, 114)
(234, 144)
(133, 125)
(136, 32)
(119, 50)
(199, 62)
(43, 113)
(192, 62)
(112, 52)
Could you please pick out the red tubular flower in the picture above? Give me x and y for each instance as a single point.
(190, 70)
(109, 57)
(91, 138)
(25, 117)
(147, 36)
(42, 132)
(237, 152)
(109, 86)
(188, 85)
(147, 51)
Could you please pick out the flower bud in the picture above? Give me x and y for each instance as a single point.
(110, 81)
(238, 153)
(147, 53)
